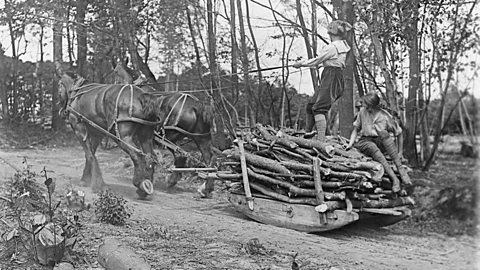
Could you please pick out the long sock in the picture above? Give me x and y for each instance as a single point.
(378, 156)
(391, 150)
(321, 125)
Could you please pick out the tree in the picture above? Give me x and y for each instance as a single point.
(81, 6)
(345, 12)
(57, 57)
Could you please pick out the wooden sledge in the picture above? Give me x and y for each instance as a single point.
(383, 217)
(298, 217)
(304, 218)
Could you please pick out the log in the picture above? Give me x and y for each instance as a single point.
(280, 140)
(266, 191)
(317, 180)
(246, 184)
(294, 190)
(325, 184)
(303, 153)
(221, 176)
(375, 169)
(352, 153)
(383, 203)
(293, 165)
(113, 255)
(187, 170)
(324, 148)
(257, 160)
(288, 152)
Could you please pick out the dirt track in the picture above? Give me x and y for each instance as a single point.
(219, 229)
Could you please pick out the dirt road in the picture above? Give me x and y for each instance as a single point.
(210, 234)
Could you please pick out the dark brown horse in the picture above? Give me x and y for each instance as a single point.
(117, 111)
(183, 116)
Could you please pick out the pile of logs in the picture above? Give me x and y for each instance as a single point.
(306, 171)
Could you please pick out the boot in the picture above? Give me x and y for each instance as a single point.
(309, 123)
(391, 149)
(321, 125)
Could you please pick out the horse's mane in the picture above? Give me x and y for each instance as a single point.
(149, 105)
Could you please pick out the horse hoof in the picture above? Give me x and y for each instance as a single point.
(171, 184)
(141, 194)
(147, 186)
(203, 195)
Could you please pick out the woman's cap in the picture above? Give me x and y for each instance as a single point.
(371, 99)
(338, 28)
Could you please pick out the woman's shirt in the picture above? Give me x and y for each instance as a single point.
(332, 55)
(370, 123)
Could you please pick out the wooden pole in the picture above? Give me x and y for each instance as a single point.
(317, 180)
(246, 184)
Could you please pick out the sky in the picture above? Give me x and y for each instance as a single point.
(263, 23)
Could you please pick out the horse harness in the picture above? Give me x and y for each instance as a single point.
(174, 126)
(76, 93)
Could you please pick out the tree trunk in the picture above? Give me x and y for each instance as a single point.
(218, 135)
(81, 38)
(14, 110)
(3, 89)
(413, 87)
(257, 61)
(346, 114)
(233, 40)
(313, 72)
(245, 64)
(128, 21)
(57, 57)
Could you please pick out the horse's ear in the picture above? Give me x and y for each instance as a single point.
(59, 69)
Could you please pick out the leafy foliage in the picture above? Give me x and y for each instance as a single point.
(112, 208)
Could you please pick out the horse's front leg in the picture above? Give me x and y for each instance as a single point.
(142, 174)
(89, 143)
(97, 179)
(80, 131)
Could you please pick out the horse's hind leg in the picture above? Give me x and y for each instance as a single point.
(204, 145)
(174, 177)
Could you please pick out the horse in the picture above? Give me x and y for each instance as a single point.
(182, 116)
(117, 111)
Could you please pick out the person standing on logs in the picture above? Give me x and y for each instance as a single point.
(332, 57)
(375, 127)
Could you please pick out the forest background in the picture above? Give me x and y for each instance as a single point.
(421, 55)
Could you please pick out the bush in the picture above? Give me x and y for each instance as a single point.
(112, 208)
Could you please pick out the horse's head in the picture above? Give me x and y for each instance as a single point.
(66, 86)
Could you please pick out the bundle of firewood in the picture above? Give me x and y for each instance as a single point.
(306, 171)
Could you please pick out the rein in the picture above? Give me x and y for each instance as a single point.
(105, 132)
(238, 73)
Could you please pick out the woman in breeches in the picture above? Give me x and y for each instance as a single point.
(332, 57)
